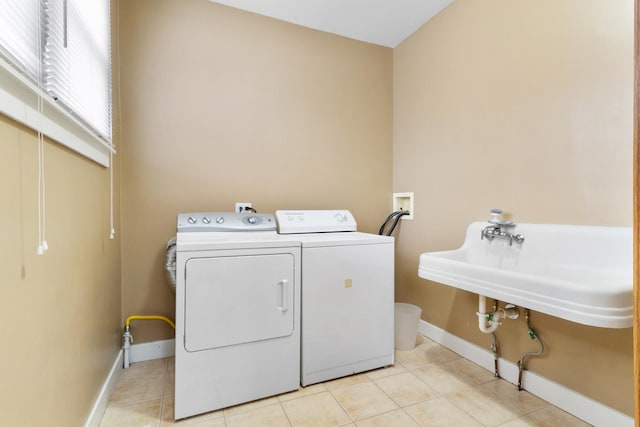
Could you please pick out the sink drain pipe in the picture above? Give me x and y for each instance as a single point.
(533, 336)
(127, 338)
(489, 322)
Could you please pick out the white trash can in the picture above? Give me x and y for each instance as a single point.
(407, 317)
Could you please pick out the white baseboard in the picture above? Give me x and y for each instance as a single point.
(587, 409)
(99, 406)
(152, 350)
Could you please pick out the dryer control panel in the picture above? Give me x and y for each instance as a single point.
(225, 221)
(315, 221)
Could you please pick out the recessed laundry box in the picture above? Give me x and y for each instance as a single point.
(407, 317)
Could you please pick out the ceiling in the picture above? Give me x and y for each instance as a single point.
(381, 22)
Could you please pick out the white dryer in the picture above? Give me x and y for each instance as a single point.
(237, 311)
(347, 294)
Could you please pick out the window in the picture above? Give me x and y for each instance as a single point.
(18, 34)
(59, 50)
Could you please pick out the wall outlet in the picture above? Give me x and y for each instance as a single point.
(242, 207)
(403, 201)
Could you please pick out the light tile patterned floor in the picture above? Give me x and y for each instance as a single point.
(428, 386)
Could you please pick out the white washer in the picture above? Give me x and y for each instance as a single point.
(237, 311)
(347, 295)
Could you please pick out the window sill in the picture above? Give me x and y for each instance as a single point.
(18, 100)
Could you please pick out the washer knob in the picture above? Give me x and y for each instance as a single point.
(341, 217)
(206, 220)
(191, 220)
(252, 220)
(220, 219)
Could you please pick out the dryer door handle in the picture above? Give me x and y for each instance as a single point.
(283, 288)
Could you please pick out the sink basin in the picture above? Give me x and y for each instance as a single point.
(579, 273)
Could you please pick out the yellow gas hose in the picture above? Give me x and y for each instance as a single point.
(127, 338)
(166, 319)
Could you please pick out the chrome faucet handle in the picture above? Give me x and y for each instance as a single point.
(518, 238)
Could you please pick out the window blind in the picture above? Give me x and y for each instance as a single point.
(77, 60)
(55, 77)
(19, 35)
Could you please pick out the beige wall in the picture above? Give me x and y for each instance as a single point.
(61, 311)
(222, 106)
(61, 326)
(526, 106)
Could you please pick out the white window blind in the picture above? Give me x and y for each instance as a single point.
(77, 59)
(74, 58)
(19, 34)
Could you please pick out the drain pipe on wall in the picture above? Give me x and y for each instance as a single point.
(127, 338)
(488, 322)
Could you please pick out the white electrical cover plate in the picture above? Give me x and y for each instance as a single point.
(315, 221)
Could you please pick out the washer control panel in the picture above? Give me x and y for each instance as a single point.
(315, 221)
(226, 221)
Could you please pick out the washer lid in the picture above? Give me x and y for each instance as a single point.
(315, 221)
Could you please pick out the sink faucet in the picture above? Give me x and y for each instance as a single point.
(496, 229)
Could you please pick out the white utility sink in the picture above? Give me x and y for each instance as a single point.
(579, 273)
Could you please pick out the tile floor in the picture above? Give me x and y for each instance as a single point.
(428, 386)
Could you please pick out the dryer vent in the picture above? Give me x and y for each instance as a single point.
(170, 263)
